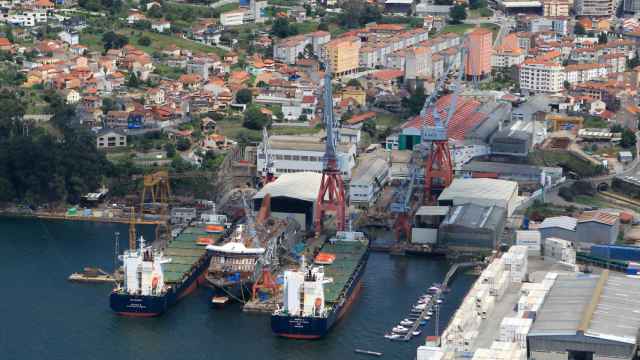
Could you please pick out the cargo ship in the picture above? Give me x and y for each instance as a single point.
(316, 296)
(154, 280)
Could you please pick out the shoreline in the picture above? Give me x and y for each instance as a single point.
(54, 216)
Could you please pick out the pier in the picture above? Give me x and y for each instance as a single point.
(423, 314)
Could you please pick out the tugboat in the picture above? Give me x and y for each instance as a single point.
(316, 297)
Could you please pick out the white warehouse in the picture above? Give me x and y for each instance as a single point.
(368, 181)
(292, 154)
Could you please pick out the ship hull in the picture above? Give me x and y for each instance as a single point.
(133, 305)
(309, 328)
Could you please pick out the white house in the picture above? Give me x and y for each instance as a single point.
(110, 138)
(368, 181)
(72, 97)
(71, 38)
(161, 26)
(232, 18)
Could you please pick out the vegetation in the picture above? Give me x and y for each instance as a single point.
(579, 29)
(357, 13)
(628, 138)
(567, 160)
(244, 96)
(255, 119)
(413, 104)
(37, 167)
(111, 40)
(569, 193)
(538, 211)
(457, 14)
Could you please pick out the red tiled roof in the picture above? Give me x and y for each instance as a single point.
(387, 74)
(356, 119)
(464, 118)
(598, 216)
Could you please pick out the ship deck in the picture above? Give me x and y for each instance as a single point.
(184, 253)
(348, 255)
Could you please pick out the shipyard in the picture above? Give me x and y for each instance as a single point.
(295, 179)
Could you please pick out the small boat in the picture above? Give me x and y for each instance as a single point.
(392, 336)
(420, 307)
(406, 322)
(368, 352)
(400, 329)
(416, 333)
(429, 313)
(433, 290)
(427, 318)
(439, 301)
(424, 322)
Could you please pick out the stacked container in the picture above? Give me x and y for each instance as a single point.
(516, 263)
(515, 330)
(530, 239)
(559, 250)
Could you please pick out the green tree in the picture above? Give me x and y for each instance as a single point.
(183, 144)
(628, 139)
(566, 84)
(170, 149)
(111, 40)
(324, 26)
(414, 103)
(282, 29)
(144, 41)
(255, 119)
(356, 13)
(244, 96)
(579, 29)
(477, 4)
(457, 14)
(355, 83)
(444, 2)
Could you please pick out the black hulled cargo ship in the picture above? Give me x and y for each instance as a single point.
(155, 280)
(317, 296)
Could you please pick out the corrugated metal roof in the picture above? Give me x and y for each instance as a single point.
(563, 222)
(475, 216)
(598, 216)
(617, 316)
(480, 188)
(564, 306)
(432, 210)
(301, 185)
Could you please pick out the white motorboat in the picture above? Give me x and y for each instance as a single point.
(406, 322)
(392, 336)
(416, 333)
(429, 313)
(439, 301)
(400, 329)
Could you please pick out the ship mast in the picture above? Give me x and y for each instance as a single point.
(132, 229)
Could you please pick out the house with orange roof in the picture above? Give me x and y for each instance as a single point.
(507, 53)
(239, 77)
(134, 16)
(5, 44)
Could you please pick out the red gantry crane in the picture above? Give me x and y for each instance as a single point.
(438, 166)
(331, 196)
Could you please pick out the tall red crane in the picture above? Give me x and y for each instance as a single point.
(438, 165)
(331, 196)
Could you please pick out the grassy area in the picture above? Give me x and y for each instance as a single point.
(565, 160)
(293, 130)
(458, 28)
(595, 122)
(594, 201)
(233, 128)
(283, 2)
(539, 210)
(306, 27)
(388, 120)
(479, 13)
(158, 42)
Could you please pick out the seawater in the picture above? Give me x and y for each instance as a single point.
(46, 317)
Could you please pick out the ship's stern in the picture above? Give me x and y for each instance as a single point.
(299, 327)
(137, 305)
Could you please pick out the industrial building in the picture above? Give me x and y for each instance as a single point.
(292, 195)
(563, 227)
(597, 227)
(368, 180)
(483, 192)
(516, 140)
(521, 173)
(426, 222)
(629, 184)
(472, 227)
(587, 317)
(292, 154)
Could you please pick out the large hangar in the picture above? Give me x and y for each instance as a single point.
(292, 195)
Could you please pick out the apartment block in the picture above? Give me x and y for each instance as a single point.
(596, 8)
(541, 76)
(287, 50)
(342, 55)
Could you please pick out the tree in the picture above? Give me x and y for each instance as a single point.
(183, 144)
(244, 96)
(566, 85)
(414, 103)
(617, 128)
(628, 139)
(155, 12)
(457, 14)
(444, 2)
(132, 80)
(477, 4)
(579, 29)
(144, 41)
(282, 29)
(602, 38)
(255, 119)
(369, 127)
(111, 40)
(355, 83)
(262, 84)
(567, 194)
(323, 26)
(356, 13)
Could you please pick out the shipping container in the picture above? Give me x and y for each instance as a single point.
(616, 252)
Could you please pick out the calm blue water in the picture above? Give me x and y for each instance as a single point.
(46, 317)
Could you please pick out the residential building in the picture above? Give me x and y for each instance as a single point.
(552, 8)
(479, 53)
(595, 8)
(71, 38)
(288, 49)
(631, 6)
(110, 138)
(577, 73)
(541, 76)
(232, 18)
(342, 55)
(417, 63)
(161, 26)
(508, 53)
